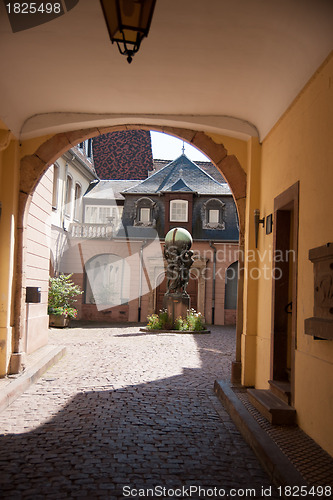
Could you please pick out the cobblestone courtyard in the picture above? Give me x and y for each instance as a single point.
(125, 411)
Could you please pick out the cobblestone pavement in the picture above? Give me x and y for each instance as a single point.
(124, 411)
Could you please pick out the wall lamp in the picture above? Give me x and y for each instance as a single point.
(128, 22)
(257, 221)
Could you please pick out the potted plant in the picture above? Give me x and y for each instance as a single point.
(62, 295)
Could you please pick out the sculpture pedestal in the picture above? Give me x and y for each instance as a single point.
(176, 305)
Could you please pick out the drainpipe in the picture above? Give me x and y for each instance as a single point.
(214, 274)
(140, 278)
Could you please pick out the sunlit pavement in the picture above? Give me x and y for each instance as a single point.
(128, 414)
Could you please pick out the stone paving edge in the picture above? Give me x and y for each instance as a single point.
(199, 332)
(16, 387)
(279, 468)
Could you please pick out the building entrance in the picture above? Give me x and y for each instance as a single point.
(284, 302)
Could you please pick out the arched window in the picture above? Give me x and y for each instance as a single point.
(212, 214)
(231, 281)
(108, 278)
(178, 211)
(145, 212)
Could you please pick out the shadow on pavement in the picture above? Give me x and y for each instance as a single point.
(167, 433)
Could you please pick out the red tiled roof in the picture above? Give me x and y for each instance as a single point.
(123, 155)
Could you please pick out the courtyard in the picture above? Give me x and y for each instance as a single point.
(128, 414)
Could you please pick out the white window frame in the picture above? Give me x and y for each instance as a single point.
(213, 216)
(178, 214)
(145, 214)
(99, 214)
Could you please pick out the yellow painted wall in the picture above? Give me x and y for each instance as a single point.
(248, 154)
(9, 179)
(234, 146)
(300, 148)
(29, 147)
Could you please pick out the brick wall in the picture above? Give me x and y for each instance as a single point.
(117, 314)
(230, 316)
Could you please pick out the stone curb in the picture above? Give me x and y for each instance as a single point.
(20, 384)
(280, 469)
(199, 332)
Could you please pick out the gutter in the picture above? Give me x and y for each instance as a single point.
(214, 279)
(85, 168)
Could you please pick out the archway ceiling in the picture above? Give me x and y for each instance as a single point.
(227, 66)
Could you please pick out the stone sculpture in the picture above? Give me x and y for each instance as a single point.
(178, 255)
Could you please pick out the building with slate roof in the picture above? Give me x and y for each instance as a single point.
(109, 234)
(122, 235)
(182, 194)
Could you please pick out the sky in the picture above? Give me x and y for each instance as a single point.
(168, 147)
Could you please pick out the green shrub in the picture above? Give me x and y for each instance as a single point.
(62, 295)
(160, 321)
(152, 322)
(194, 322)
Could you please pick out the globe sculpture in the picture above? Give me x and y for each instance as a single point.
(178, 255)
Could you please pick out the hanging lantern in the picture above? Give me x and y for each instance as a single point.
(128, 22)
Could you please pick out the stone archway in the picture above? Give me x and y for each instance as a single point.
(35, 165)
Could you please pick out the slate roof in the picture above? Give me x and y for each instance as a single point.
(180, 175)
(180, 186)
(207, 166)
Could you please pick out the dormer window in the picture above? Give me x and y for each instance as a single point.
(144, 212)
(212, 213)
(178, 211)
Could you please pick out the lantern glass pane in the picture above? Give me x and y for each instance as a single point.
(130, 18)
(111, 17)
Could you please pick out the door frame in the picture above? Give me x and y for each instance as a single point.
(286, 202)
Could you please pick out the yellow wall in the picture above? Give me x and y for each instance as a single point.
(248, 154)
(11, 151)
(9, 179)
(234, 146)
(300, 148)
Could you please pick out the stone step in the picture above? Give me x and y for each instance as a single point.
(271, 407)
(281, 389)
